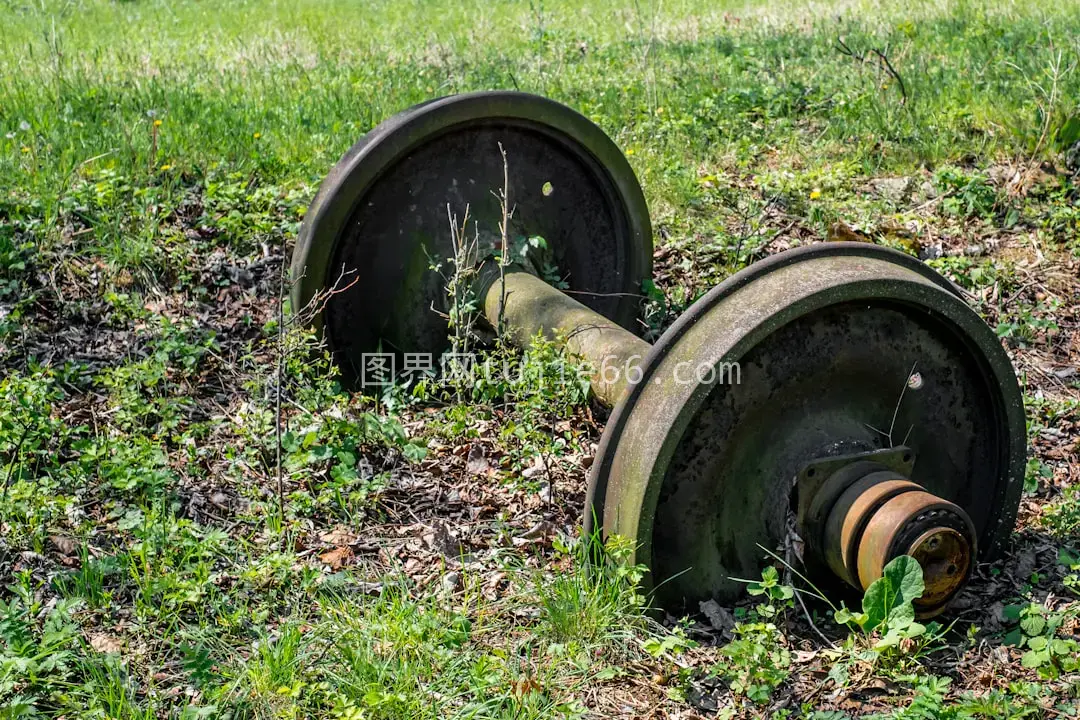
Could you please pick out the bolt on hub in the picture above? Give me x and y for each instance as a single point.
(835, 364)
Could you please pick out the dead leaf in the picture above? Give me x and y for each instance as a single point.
(65, 545)
(537, 533)
(477, 464)
(538, 466)
(720, 618)
(339, 535)
(106, 643)
(524, 687)
(337, 557)
(841, 231)
(493, 585)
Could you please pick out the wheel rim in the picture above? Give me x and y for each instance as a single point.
(381, 217)
(677, 468)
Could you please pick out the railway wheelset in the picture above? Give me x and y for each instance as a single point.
(843, 393)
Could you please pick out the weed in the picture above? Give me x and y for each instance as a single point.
(1037, 631)
(530, 393)
(758, 661)
(40, 654)
(1035, 471)
(598, 599)
(1030, 325)
(966, 195)
(892, 639)
(1063, 516)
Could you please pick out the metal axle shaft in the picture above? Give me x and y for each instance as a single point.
(534, 308)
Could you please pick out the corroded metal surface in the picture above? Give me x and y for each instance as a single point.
(379, 220)
(801, 358)
(533, 307)
(700, 473)
(946, 556)
(818, 487)
(852, 514)
(934, 531)
(882, 515)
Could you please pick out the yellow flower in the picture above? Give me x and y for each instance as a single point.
(659, 111)
(257, 135)
(25, 149)
(629, 151)
(165, 167)
(815, 194)
(157, 123)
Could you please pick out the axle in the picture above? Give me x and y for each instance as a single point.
(533, 307)
(796, 367)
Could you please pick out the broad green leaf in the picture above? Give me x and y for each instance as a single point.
(1033, 659)
(889, 598)
(1033, 624)
(1012, 612)
(843, 616)
(914, 630)
(414, 451)
(891, 639)
(608, 673)
(1069, 133)
(1014, 637)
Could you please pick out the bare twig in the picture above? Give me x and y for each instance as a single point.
(746, 234)
(1056, 72)
(15, 454)
(879, 58)
(888, 435)
(504, 224)
(892, 71)
(646, 54)
(809, 619)
(305, 315)
(459, 287)
(279, 472)
(899, 400)
(300, 318)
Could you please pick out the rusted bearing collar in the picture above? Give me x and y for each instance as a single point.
(882, 516)
(936, 532)
(850, 516)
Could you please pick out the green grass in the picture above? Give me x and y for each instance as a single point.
(165, 556)
(277, 91)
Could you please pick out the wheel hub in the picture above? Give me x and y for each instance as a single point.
(865, 514)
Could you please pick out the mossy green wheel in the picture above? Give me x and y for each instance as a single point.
(379, 222)
(697, 466)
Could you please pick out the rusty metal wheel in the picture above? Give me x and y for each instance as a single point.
(379, 220)
(700, 469)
